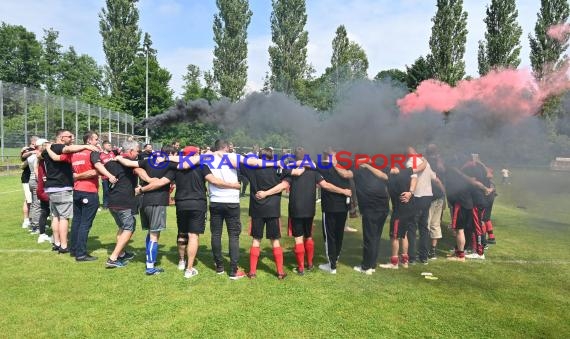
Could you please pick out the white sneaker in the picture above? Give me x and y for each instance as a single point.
(367, 272)
(182, 265)
(26, 223)
(388, 266)
(43, 238)
(190, 273)
(327, 268)
(475, 256)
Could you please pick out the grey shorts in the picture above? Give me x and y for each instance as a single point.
(61, 204)
(125, 219)
(153, 218)
(434, 219)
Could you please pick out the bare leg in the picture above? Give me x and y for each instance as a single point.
(192, 249)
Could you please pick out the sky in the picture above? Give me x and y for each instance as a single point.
(392, 32)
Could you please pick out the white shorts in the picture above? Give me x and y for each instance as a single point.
(27, 193)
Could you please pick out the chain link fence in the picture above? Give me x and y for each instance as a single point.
(25, 112)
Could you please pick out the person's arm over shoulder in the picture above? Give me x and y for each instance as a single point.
(280, 187)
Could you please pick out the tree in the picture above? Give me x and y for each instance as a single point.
(394, 76)
(79, 76)
(159, 92)
(51, 57)
(230, 52)
(447, 41)
(546, 53)
(192, 87)
(420, 70)
(288, 55)
(501, 47)
(210, 91)
(349, 60)
(20, 55)
(118, 25)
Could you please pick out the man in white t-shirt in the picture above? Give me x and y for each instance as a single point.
(423, 195)
(224, 203)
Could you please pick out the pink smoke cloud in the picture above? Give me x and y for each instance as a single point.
(559, 32)
(510, 93)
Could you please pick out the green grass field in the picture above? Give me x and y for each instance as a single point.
(520, 291)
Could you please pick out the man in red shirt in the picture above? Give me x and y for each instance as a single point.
(86, 166)
(106, 155)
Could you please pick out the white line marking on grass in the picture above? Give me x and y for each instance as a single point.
(10, 192)
(535, 262)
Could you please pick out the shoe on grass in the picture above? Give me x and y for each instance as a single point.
(153, 271)
(390, 266)
(327, 268)
(455, 258)
(43, 238)
(190, 273)
(237, 275)
(475, 256)
(127, 256)
(115, 263)
(181, 265)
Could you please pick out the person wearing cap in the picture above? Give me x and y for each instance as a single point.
(191, 207)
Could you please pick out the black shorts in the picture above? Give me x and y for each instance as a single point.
(400, 224)
(272, 232)
(301, 227)
(461, 218)
(487, 213)
(191, 221)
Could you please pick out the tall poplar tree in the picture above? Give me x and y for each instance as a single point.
(447, 41)
(51, 57)
(547, 53)
(119, 28)
(230, 52)
(501, 47)
(288, 54)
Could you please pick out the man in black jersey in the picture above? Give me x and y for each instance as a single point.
(401, 186)
(265, 210)
(122, 204)
(191, 207)
(477, 172)
(154, 202)
(335, 209)
(372, 194)
(302, 201)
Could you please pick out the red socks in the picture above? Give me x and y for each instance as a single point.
(253, 257)
(310, 250)
(300, 255)
(394, 260)
(278, 255)
(490, 229)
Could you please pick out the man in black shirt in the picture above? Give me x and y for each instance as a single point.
(302, 201)
(335, 209)
(265, 210)
(154, 202)
(59, 185)
(372, 194)
(122, 204)
(191, 207)
(477, 172)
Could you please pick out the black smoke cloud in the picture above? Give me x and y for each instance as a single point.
(366, 119)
